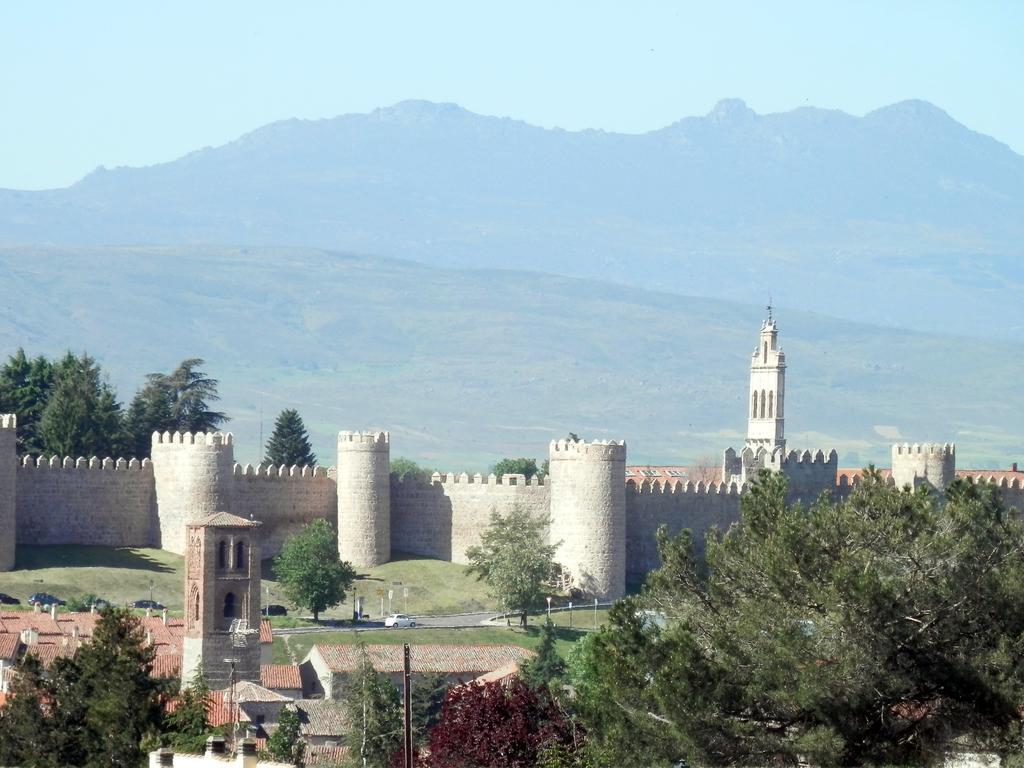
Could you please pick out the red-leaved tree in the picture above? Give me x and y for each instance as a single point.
(498, 725)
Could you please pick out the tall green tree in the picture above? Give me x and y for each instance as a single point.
(24, 386)
(25, 736)
(526, 467)
(289, 444)
(82, 416)
(310, 571)
(515, 559)
(185, 727)
(149, 412)
(871, 630)
(374, 713)
(286, 743)
(402, 469)
(547, 667)
(191, 393)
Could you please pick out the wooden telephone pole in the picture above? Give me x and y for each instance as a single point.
(407, 706)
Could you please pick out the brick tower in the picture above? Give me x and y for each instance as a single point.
(222, 592)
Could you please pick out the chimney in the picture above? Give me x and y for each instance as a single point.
(247, 755)
(149, 637)
(165, 756)
(164, 616)
(37, 608)
(1013, 467)
(149, 612)
(29, 636)
(74, 631)
(92, 608)
(216, 745)
(53, 611)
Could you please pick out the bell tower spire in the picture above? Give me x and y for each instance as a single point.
(765, 406)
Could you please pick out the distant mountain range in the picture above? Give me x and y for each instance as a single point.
(902, 217)
(467, 366)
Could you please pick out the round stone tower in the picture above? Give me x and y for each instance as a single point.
(588, 514)
(8, 486)
(194, 478)
(364, 498)
(931, 463)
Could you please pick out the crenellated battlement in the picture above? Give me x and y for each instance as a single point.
(1002, 483)
(600, 450)
(805, 460)
(924, 449)
(197, 438)
(282, 472)
(700, 488)
(354, 441)
(464, 478)
(69, 462)
(8, 421)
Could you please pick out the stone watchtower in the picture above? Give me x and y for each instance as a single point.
(931, 463)
(222, 586)
(8, 488)
(364, 498)
(588, 514)
(193, 476)
(765, 413)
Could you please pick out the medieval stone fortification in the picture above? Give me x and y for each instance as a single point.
(606, 522)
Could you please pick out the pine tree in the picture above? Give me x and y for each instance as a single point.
(149, 412)
(25, 732)
(289, 444)
(191, 392)
(24, 385)
(548, 666)
(375, 715)
(285, 743)
(185, 727)
(82, 416)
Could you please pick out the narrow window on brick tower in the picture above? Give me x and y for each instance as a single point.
(764, 353)
(222, 554)
(229, 605)
(753, 406)
(762, 403)
(771, 403)
(239, 555)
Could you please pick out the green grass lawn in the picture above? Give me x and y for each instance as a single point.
(530, 638)
(122, 575)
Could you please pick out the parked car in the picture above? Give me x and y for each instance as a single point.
(274, 610)
(399, 620)
(45, 600)
(6, 599)
(151, 604)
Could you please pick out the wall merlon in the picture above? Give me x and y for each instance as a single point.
(274, 472)
(367, 441)
(601, 450)
(197, 438)
(464, 478)
(8, 421)
(68, 462)
(936, 449)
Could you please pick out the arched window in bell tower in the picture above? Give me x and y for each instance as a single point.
(762, 404)
(229, 605)
(753, 406)
(239, 555)
(222, 554)
(771, 404)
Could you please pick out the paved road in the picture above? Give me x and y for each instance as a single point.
(422, 622)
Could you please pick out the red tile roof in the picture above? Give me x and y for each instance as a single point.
(266, 632)
(318, 717)
(326, 754)
(166, 666)
(449, 659)
(673, 474)
(278, 676)
(9, 642)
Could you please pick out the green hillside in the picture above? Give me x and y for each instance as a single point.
(465, 367)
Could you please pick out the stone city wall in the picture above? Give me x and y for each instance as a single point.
(444, 517)
(284, 499)
(86, 501)
(677, 506)
(8, 488)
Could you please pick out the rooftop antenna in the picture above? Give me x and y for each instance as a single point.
(240, 633)
(769, 308)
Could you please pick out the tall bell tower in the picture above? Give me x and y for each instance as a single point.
(765, 406)
(222, 600)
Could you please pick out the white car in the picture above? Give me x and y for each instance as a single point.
(399, 620)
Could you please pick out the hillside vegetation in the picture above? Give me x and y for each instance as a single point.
(466, 367)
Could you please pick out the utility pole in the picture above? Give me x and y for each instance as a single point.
(407, 706)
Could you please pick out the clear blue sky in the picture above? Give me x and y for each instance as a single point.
(135, 83)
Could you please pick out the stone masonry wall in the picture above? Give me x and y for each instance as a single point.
(109, 503)
(8, 488)
(677, 506)
(444, 517)
(284, 499)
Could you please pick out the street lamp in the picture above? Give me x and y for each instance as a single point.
(151, 590)
(570, 614)
(549, 608)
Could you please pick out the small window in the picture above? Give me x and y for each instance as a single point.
(765, 353)
(239, 555)
(676, 473)
(771, 404)
(753, 406)
(650, 473)
(222, 554)
(229, 605)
